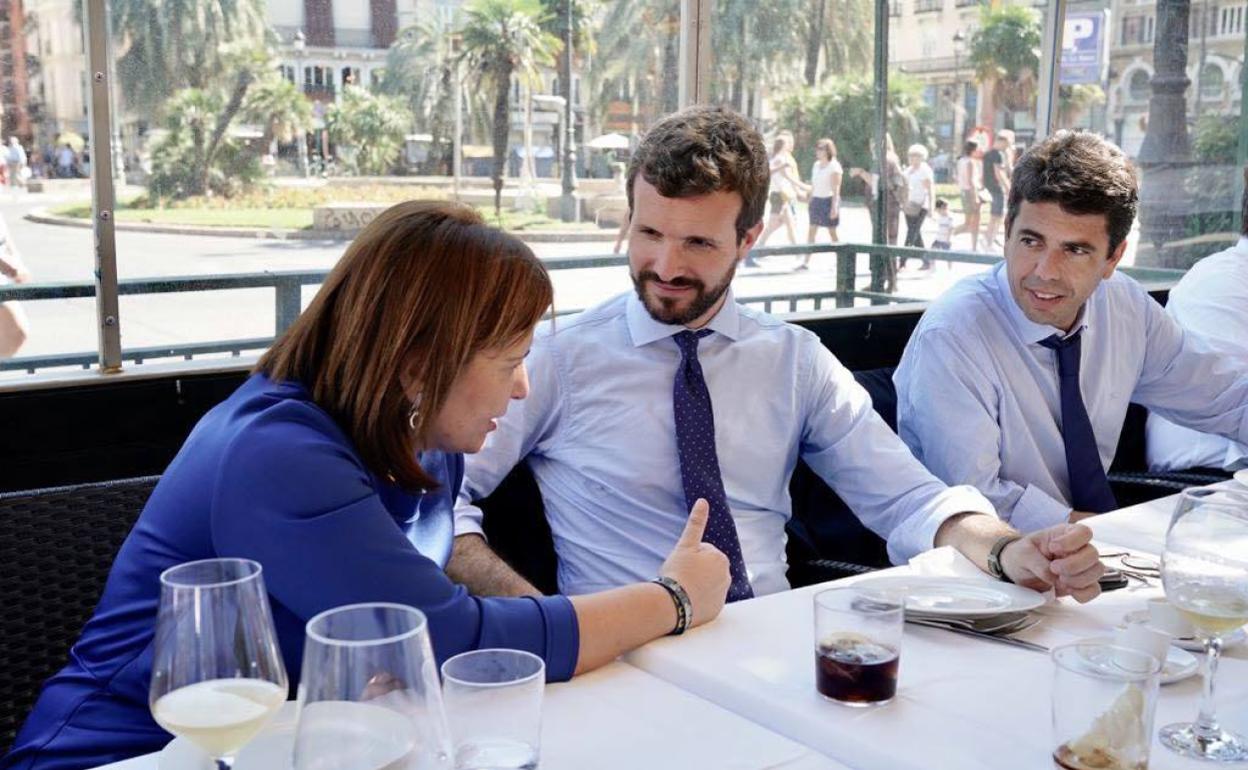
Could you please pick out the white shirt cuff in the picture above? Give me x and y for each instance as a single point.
(918, 533)
(468, 520)
(1037, 510)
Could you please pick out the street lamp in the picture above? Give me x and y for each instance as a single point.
(299, 43)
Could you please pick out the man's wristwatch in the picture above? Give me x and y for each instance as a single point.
(684, 607)
(994, 557)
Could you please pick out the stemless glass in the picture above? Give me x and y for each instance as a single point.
(494, 701)
(369, 697)
(1205, 572)
(217, 673)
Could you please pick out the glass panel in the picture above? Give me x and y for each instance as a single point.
(272, 131)
(44, 86)
(1185, 141)
(802, 70)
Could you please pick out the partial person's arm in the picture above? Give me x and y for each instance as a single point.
(473, 563)
(1187, 381)
(947, 413)
(1061, 557)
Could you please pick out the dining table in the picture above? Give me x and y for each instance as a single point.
(740, 692)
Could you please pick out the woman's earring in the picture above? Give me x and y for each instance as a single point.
(414, 414)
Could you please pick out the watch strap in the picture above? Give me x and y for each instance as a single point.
(995, 568)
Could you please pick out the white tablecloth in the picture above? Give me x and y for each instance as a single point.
(962, 702)
(621, 718)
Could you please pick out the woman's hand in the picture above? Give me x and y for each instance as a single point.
(700, 568)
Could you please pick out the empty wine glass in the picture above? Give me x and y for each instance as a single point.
(369, 697)
(1205, 572)
(217, 673)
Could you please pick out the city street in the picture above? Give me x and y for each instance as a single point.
(64, 254)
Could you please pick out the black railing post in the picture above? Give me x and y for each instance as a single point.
(846, 265)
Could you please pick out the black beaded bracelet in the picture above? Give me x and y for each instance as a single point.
(684, 608)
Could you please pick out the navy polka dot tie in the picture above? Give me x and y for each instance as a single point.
(699, 462)
(1089, 487)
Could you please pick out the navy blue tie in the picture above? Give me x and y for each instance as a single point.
(1089, 488)
(699, 462)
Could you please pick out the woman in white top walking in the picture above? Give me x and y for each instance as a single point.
(825, 194)
(786, 183)
(919, 180)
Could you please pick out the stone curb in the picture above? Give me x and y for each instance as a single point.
(44, 217)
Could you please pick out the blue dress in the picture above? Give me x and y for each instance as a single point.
(268, 475)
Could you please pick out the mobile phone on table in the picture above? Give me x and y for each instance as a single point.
(1112, 580)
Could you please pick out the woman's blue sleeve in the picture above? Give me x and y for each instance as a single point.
(294, 496)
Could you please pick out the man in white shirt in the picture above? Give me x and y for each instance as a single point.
(1211, 301)
(674, 392)
(1017, 380)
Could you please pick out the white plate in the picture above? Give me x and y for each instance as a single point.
(1242, 476)
(954, 596)
(1237, 636)
(270, 750)
(1180, 664)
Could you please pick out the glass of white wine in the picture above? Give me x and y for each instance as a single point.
(369, 697)
(1205, 572)
(217, 672)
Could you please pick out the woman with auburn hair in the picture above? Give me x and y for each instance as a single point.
(336, 466)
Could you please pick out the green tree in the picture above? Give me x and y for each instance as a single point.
(1005, 53)
(280, 106)
(843, 31)
(180, 163)
(755, 45)
(199, 148)
(369, 129)
(420, 69)
(503, 38)
(639, 44)
(168, 45)
(844, 110)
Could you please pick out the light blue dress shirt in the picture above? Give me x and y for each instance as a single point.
(599, 434)
(1211, 301)
(978, 398)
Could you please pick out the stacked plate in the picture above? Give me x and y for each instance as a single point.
(971, 604)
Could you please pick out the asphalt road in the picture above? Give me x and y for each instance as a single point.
(59, 254)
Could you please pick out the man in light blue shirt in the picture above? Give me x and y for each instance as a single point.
(1017, 380)
(1211, 301)
(611, 388)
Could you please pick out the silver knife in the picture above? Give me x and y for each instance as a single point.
(981, 635)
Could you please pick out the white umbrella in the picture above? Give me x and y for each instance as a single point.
(610, 142)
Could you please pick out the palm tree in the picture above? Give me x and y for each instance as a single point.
(280, 106)
(1005, 52)
(421, 70)
(372, 126)
(168, 45)
(639, 43)
(503, 38)
(843, 31)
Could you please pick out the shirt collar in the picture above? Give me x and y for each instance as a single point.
(1029, 330)
(644, 329)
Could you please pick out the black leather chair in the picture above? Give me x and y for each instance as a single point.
(56, 548)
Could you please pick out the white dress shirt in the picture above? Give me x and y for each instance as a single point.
(1211, 301)
(978, 398)
(599, 434)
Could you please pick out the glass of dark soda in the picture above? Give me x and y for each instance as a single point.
(857, 646)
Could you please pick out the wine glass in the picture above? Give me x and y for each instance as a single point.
(369, 697)
(1205, 572)
(217, 673)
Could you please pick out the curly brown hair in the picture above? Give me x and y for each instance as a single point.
(1082, 173)
(701, 150)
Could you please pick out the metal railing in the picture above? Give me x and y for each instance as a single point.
(288, 285)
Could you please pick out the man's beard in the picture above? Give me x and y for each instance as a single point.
(666, 310)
